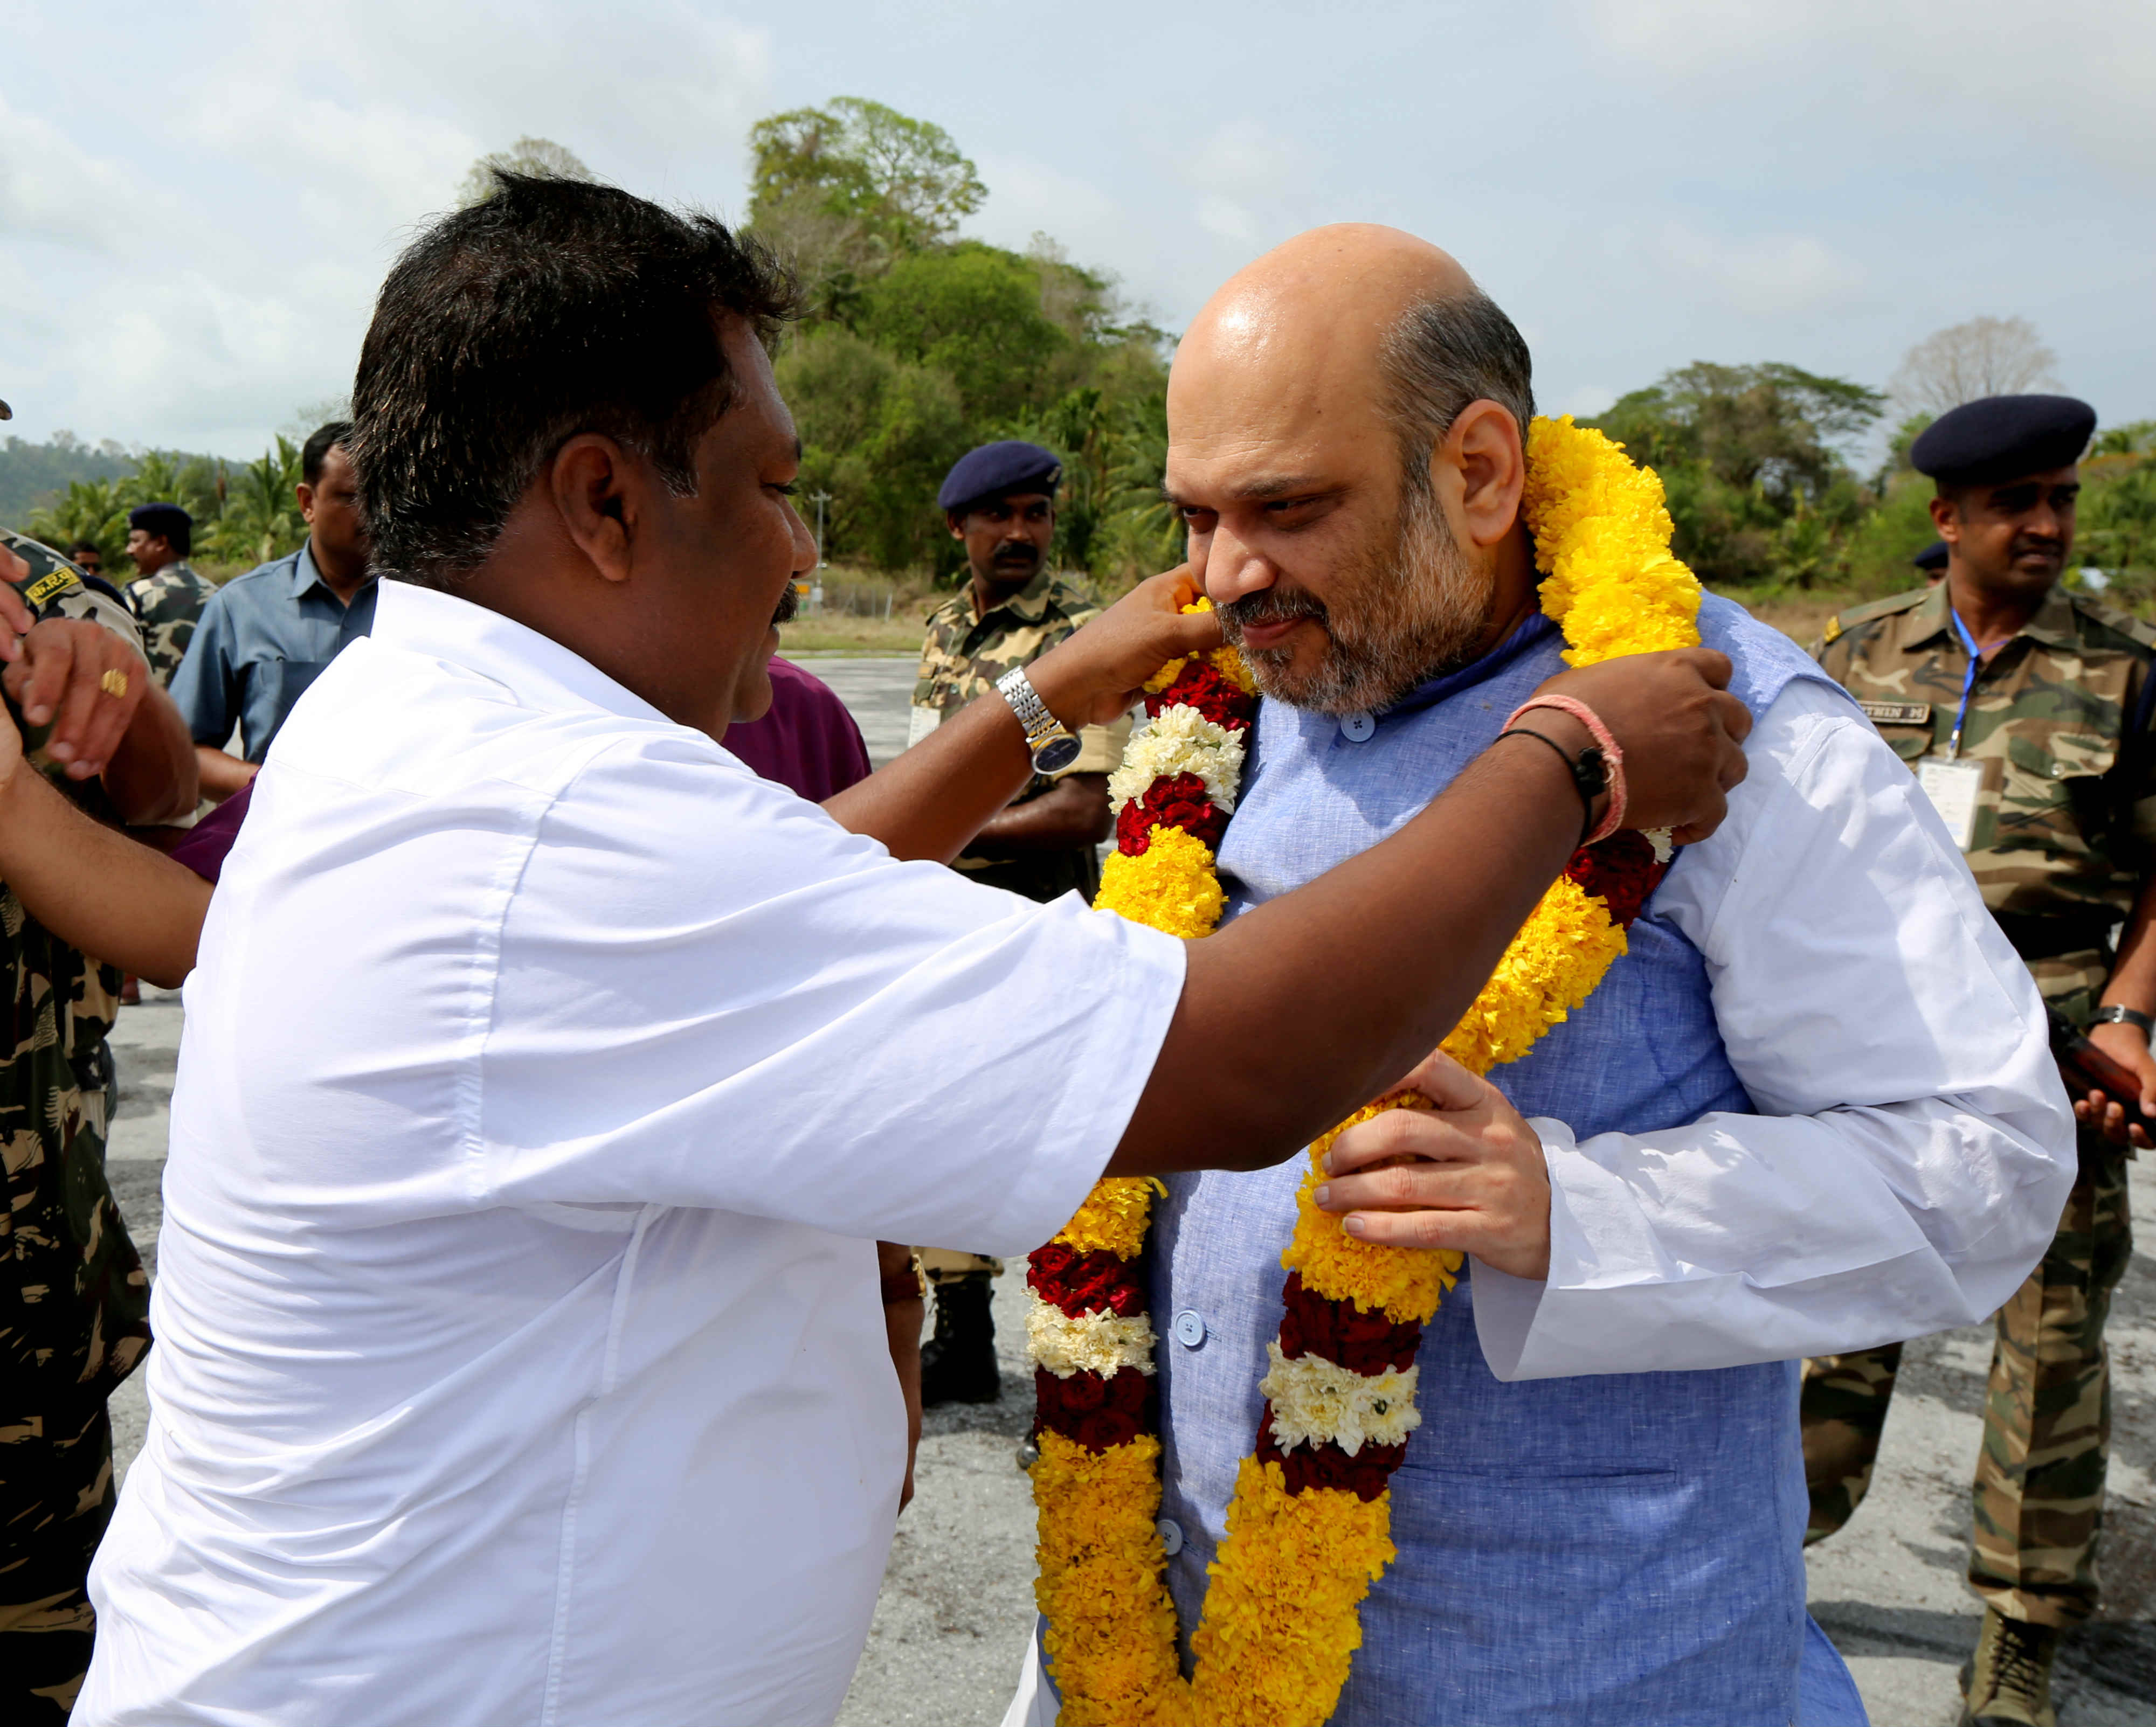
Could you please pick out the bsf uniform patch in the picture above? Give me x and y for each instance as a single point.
(1889, 712)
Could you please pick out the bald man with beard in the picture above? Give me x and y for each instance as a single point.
(1810, 1107)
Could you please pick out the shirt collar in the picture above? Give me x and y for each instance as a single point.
(305, 578)
(1028, 605)
(537, 670)
(2052, 624)
(1930, 618)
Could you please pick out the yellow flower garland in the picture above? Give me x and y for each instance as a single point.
(1282, 1616)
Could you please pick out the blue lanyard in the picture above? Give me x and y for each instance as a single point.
(1967, 683)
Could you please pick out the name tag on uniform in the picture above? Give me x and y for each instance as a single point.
(1953, 788)
(1896, 713)
(920, 722)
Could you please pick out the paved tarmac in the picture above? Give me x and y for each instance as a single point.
(956, 1602)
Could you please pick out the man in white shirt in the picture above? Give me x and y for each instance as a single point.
(519, 1357)
(1811, 1105)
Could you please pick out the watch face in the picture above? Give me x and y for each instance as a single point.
(1056, 755)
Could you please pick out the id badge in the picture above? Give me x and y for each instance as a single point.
(1953, 788)
(921, 721)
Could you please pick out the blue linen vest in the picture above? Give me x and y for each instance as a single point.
(1611, 1549)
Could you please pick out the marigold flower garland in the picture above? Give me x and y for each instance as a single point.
(1308, 1527)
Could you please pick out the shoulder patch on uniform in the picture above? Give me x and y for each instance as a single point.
(1896, 713)
(1875, 608)
(53, 581)
(1833, 628)
(2111, 618)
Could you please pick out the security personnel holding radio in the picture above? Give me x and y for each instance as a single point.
(1000, 500)
(2025, 712)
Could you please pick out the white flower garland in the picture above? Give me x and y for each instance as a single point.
(1099, 1342)
(1315, 1400)
(1180, 739)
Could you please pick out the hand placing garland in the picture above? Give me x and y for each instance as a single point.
(1308, 1527)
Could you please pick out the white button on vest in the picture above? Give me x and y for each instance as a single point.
(1189, 1328)
(1171, 1536)
(1357, 728)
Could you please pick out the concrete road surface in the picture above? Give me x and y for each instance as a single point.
(957, 1601)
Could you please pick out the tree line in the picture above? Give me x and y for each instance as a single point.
(917, 343)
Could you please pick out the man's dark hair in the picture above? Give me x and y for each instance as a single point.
(77, 547)
(1442, 355)
(556, 307)
(317, 449)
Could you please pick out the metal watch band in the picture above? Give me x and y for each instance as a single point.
(2117, 1015)
(1053, 746)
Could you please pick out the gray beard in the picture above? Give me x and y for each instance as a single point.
(1405, 615)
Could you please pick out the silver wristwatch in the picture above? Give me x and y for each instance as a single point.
(1054, 748)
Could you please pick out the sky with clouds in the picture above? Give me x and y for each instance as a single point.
(197, 203)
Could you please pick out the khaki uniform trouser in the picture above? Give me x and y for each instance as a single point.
(2037, 1500)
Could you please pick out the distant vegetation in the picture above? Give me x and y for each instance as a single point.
(919, 344)
(245, 512)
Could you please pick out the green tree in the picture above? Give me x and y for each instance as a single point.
(974, 312)
(1753, 459)
(92, 510)
(261, 520)
(878, 433)
(902, 181)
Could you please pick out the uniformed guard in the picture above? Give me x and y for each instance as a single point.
(75, 1298)
(167, 595)
(1933, 561)
(2024, 710)
(1000, 500)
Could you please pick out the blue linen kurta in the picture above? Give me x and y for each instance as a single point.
(1611, 1549)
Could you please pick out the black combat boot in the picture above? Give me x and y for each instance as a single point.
(959, 1363)
(2008, 1682)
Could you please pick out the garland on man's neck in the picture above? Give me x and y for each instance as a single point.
(1308, 1527)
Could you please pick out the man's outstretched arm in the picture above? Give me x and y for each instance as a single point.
(1305, 1008)
(1912, 1150)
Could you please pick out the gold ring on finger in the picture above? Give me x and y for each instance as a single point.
(114, 682)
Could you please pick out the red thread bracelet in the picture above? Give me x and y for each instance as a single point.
(1613, 757)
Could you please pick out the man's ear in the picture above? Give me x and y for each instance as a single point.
(1947, 520)
(595, 490)
(305, 496)
(1482, 465)
(957, 525)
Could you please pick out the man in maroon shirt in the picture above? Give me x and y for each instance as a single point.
(808, 740)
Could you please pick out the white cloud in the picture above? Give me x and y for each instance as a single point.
(53, 188)
(1768, 275)
(220, 254)
(2076, 75)
(1587, 401)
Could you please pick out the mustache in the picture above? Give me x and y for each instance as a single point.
(1028, 555)
(790, 603)
(1270, 605)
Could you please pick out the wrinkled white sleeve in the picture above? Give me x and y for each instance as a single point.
(1915, 1147)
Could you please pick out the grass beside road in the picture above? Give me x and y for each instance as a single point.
(835, 633)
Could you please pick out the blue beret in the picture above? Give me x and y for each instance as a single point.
(995, 470)
(2003, 438)
(1932, 556)
(159, 518)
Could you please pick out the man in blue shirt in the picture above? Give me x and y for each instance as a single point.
(266, 636)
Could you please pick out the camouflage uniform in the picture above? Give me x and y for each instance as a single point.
(960, 662)
(2059, 720)
(169, 604)
(76, 1300)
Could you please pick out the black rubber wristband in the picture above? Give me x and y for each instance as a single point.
(2117, 1015)
(1589, 771)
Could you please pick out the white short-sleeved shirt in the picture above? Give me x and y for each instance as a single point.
(548, 1077)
